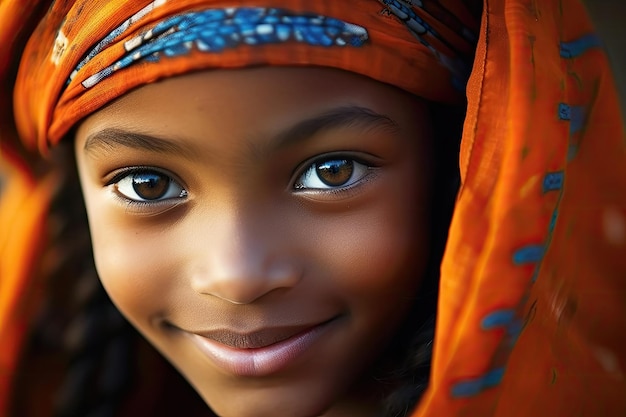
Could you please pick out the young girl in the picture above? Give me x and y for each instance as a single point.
(267, 188)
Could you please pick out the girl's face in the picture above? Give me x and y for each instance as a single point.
(266, 229)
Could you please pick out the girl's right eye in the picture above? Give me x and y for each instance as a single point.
(146, 185)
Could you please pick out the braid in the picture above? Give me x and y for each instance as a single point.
(85, 338)
(98, 342)
(97, 338)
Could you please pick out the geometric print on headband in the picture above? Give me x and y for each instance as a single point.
(214, 30)
(404, 11)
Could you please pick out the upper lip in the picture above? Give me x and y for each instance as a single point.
(255, 339)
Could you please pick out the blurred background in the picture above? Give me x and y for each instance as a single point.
(609, 18)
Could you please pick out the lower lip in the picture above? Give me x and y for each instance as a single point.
(260, 361)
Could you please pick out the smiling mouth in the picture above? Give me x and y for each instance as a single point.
(261, 352)
(258, 339)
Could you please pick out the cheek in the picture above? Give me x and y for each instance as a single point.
(132, 265)
(379, 251)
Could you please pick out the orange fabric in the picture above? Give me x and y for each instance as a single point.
(23, 204)
(533, 277)
(532, 309)
(46, 108)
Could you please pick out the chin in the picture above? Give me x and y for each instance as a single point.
(296, 406)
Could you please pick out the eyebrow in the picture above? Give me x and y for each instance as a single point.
(109, 139)
(340, 117)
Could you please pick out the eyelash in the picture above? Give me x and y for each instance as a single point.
(143, 203)
(358, 168)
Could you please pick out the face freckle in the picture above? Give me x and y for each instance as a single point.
(287, 236)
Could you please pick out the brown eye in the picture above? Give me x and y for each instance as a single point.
(335, 172)
(148, 185)
(331, 173)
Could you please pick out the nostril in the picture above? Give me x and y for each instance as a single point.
(244, 285)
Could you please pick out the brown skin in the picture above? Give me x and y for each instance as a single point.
(251, 242)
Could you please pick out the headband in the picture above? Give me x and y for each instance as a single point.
(85, 54)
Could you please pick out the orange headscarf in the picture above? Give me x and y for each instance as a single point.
(95, 51)
(532, 309)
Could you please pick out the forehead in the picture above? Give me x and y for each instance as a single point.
(249, 113)
(251, 95)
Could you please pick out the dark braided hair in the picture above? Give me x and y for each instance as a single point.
(78, 329)
(80, 359)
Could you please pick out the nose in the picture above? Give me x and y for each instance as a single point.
(240, 260)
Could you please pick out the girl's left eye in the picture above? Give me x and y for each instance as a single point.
(148, 186)
(331, 173)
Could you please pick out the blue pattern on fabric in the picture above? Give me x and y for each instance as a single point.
(565, 112)
(534, 254)
(474, 386)
(215, 30)
(574, 114)
(416, 24)
(505, 318)
(528, 254)
(579, 46)
(118, 31)
(555, 215)
(577, 120)
(459, 69)
(572, 151)
(553, 181)
(498, 318)
(513, 331)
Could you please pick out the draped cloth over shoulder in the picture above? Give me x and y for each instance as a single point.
(532, 309)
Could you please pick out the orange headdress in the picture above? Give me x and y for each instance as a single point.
(96, 51)
(532, 310)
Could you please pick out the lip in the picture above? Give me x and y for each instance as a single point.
(258, 353)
